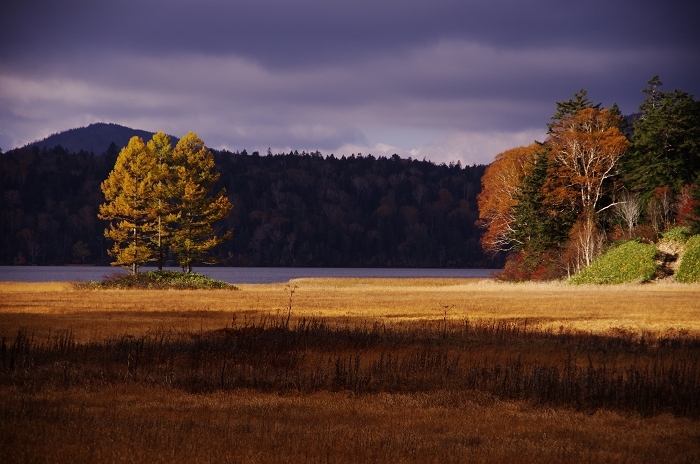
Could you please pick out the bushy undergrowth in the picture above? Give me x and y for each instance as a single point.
(689, 268)
(524, 266)
(677, 234)
(158, 280)
(629, 262)
(645, 373)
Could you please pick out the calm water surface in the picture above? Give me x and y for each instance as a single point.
(235, 275)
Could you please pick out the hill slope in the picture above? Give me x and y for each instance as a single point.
(94, 138)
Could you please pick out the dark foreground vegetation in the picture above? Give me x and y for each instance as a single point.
(271, 389)
(644, 374)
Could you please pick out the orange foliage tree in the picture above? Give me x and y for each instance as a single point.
(587, 148)
(501, 183)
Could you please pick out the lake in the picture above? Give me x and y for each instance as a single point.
(234, 275)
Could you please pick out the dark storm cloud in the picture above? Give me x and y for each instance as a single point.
(317, 74)
(298, 33)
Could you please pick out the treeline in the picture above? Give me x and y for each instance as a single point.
(50, 200)
(598, 178)
(293, 209)
(301, 209)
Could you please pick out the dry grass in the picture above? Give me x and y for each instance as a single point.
(80, 391)
(639, 308)
(137, 424)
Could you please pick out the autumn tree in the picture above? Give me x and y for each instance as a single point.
(587, 148)
(162, 203)
(501, 183)
(694, 219)
(129, 194)
(193, 235)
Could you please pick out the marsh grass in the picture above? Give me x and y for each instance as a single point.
(364, 370)
(261, 390)
(641, 373)
(137, 423)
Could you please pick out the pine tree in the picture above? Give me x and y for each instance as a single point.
(129, 195)
(655, 95)
(536, 228)
(571, 107)
(665, 148)
(193, 235)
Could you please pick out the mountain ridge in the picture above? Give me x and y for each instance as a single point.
(95, 138)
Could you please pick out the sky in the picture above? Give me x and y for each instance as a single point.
(443, 80)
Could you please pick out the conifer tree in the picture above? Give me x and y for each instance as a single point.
(193, 235)
(571, 107)
(160, 148)
(538, 227)
(665, 148)
(129, 195)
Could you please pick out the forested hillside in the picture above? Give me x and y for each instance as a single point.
(289, 210)
(95, 138)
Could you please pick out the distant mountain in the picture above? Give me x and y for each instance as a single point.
(94, 138)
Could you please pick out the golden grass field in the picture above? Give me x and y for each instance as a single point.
(76, 417)
(653, 308)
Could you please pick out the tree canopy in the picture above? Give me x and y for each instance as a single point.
(665, 148)
(194, 177)
(599, 179)
(291, 209)
(156, 196)
(130, 195)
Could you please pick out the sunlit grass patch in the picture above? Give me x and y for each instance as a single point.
(630, 262)
(689, 268)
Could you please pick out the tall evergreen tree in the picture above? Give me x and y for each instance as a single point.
(129, 194)
(193, 234)
(665, 148)
(571, 107)
(537, 228)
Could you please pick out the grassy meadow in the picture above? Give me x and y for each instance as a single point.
(351, 370)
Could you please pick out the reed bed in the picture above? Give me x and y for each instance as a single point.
(645, 374)
(351, 370)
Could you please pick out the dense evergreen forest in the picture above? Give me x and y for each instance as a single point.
(293, 209)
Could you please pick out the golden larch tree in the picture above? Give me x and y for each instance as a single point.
(193, 235)
(165, 214)
(129, 194)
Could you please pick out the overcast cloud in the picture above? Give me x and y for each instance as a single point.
(447, 80)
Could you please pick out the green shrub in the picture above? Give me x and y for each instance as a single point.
(677, 234)
(689, 268)
(159, 280)
(629, 262)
